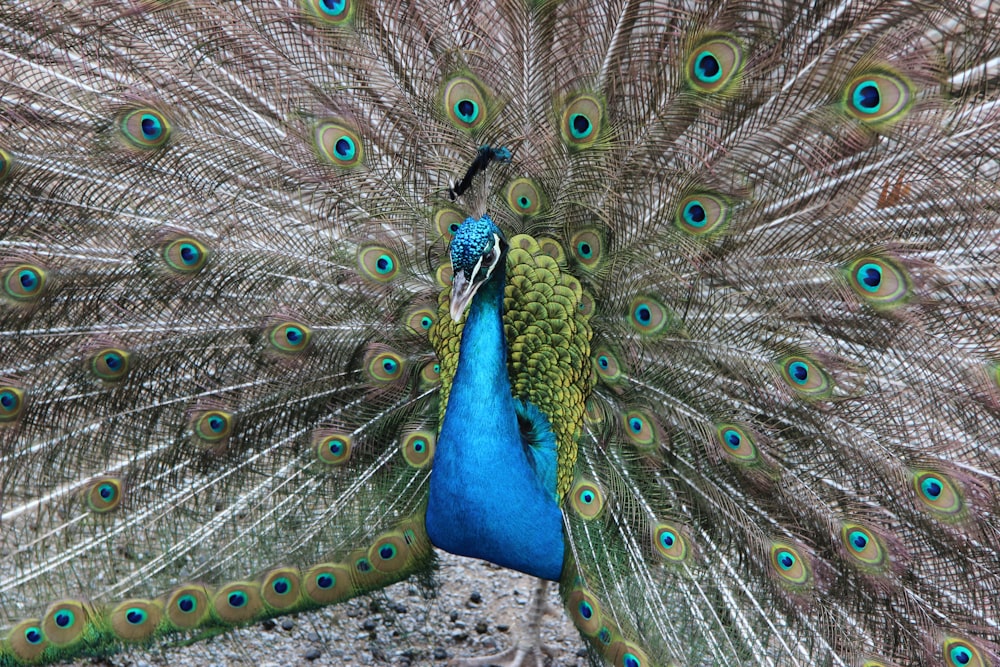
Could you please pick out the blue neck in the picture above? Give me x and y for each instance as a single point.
(486, 498)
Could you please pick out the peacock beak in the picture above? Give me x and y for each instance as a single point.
(462, 291)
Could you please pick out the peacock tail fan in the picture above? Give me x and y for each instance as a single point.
(750, 318)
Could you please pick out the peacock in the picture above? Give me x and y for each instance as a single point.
(690, 306)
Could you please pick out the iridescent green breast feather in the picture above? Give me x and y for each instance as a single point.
(548, 337)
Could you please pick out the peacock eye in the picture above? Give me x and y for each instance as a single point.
(338, 144)
(878, 97)
(24, 283)
(880, 282)
(737, 443)
(714, 64)
(806, 377)
(329, 12)
(959, 652)
(145, 129)
(702, 215)
(464, 103)
(581, 122)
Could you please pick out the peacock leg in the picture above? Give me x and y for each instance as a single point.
(528, 651)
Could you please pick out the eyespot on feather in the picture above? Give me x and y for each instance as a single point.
(877, 97)
(110, 364)
(464, 103)
(104, 494)
(607, 366)
(581, 121)
(334, 13)
(790, 565)
(281, 588)
(27, 640)
(430, 374)
(212, 427)
(11, 404)
(447, 221)
(184, 256)
(702, 214)
(6, 164)
(864, 548)
(714, 65)
(670, 543)
(524, 197)
(136, 620)
(187, 606)
(24, 283)
(390, 552)
(587, 246)
(640, 429)
(417, 448)
(586, 499)
(289, 338)
(650, 318)
(145, 129)
(65, 622)
(378, 263)
(332, 449)
(881, 283)
(938, 495)
(960, 652)
(737, 443)
(585, 611)
(238, 602)
(327, 583)
(339, 145)
(421, 320)
(383, 367)
(806, 377)
(627, 654)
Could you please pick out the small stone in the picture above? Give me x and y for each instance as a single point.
(460, 636)
(482, 628)
(368, 624)
(453, 616)
(287, 624)
(503, 627)
(440, 654)
(312, 654)
(476, 597)
(313, 636)
(268, 624)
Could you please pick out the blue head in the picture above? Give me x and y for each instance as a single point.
(476, 252)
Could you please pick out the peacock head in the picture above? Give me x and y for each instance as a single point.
(476, 250)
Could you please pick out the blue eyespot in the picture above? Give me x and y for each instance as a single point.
(707, 67)
(332, 7)
(151, 127)
(867, 98)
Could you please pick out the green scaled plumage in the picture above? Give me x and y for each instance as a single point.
(224, 235)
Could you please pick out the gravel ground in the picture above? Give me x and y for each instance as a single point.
(476, 612)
